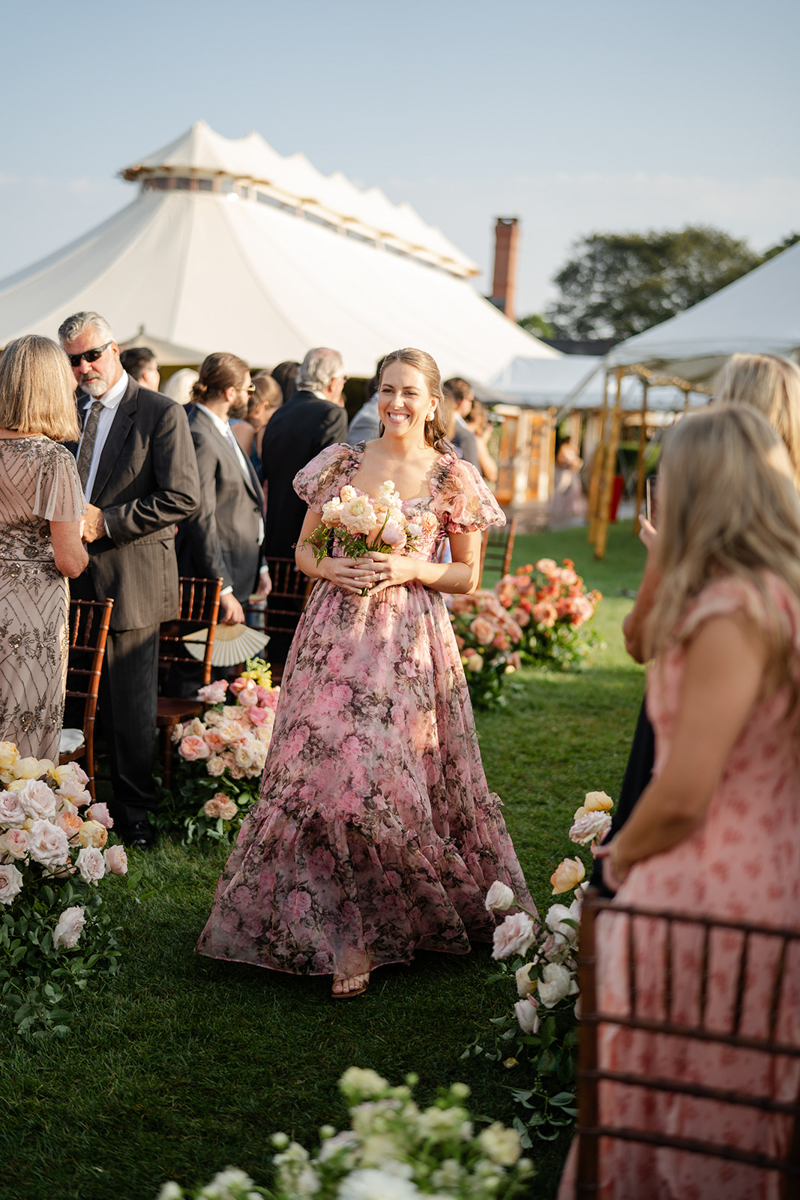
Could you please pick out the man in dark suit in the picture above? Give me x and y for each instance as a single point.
(311, 419)
(138, 470)
(225, 535)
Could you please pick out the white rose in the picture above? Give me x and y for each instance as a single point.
(558, 915)
(15, 843)
(499, 897)
(10, 883)
(527, 1012)
(47, 844)
(69, 928)
(12, 814)
(500, 1144)
(91, 864)
(590, 826)
(554, 984)
(38, 800)
(376, 1185)
(525, 985)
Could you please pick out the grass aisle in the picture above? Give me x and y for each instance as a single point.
(183, 1066)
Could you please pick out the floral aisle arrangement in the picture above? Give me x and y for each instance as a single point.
(489, 638)
(552, 608)
(540, 1034)
(363, 523)
(394, 1150)
(53, 856)
(221, 757)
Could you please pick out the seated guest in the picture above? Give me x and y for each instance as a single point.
(141, 365)
(261, 404)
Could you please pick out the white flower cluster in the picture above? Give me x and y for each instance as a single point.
(394, 1151)
(379, 519)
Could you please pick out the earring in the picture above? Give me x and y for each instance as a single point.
(430, 415)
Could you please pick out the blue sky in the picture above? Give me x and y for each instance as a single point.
(574, 116)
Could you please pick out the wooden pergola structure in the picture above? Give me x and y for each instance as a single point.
(601, 483)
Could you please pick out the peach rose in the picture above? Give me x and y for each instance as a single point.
(92, 834)
(228, 810)
(598, 802)
(8, 755)
(116, 860)
(69, 928)
(70, 822)
(193, 748)
(545, 613)
(525, 985)
(213, 740)
(484, 630)
(567, 875)
(15, 843)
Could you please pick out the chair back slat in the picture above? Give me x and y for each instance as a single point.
(88, 626)
(288, 598)
(198, 608)
(497, 547)
(712, 935)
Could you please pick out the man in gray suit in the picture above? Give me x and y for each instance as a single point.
(138, 470)
(225, 535)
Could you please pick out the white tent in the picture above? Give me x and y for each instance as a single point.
(759, 313)
(576, 382)
(229, 246)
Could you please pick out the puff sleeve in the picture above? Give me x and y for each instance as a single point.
(324, 477)
(461, 499)
(59, 495)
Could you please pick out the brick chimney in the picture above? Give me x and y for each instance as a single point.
(506, 248)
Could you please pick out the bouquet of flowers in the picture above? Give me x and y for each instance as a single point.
(489, 639)
(52, 858)
(551, 606)
(394, 1150)
(363, 523)
(544, 966)
(221, 756)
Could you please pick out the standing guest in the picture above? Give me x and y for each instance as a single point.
(376, 835)
(464, 439)
(568, 504)
(286, 375)
(366, 424)
(262, 402)
(477, 421)
(179, 386)
(137, 467)
(41, 505)
(141, 364)
(224, 537)
(717, 832)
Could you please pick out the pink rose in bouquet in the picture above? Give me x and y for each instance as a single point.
(69, 928)
(213, 693)
(193, 747)
(100, 813)
(116, 860)
(91, 864)
(47, 844)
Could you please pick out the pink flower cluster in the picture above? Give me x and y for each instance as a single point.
(231, 739)
(547, 594)
(484, 628)
(41, 826)
(365, 522)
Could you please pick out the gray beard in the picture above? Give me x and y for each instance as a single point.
(95, 388)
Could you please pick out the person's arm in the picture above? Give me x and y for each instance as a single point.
(633, 624)
(722, 680)
(487, 464)
(69, 551)
(379, 571)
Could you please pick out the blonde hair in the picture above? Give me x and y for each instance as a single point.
(37, 389)
(770, 384)
(435, 429)
(730, 509)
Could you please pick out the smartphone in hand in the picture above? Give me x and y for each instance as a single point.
(651, 499)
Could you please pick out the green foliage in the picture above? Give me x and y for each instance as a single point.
(616, 285)
(537, 325)
(180, 807)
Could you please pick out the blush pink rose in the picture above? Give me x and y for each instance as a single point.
(239, 685)
(70, 822)
(193, 748)
(257, 715)
(213, 693)
(91, 864)
(69, 928)
(394, 535)
(515, 936)
(484, 630)
(12, 814)
(10, 883)
(591, 826)
(248, 696)
(38, 800)
(527, 1013)
(15, 843)
(47, 844)
(100, 813)
(74, 791)
(116, 860)
(545, 613)
(213, 740)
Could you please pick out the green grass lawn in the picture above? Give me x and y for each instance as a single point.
(182, 1066)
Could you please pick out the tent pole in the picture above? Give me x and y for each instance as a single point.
(607, 486)
(686, 400)
(640, 459)
(597, 466)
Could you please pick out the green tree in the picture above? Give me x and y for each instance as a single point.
(536, 325)
(616, 285)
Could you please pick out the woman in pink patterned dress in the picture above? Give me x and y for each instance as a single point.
(717, 831)
(376, 834)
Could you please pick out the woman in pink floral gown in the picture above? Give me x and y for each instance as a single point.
(376, 834)
(717, 832)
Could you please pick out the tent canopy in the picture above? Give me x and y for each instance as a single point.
(576, 382)
(215, 267)
(757, 314)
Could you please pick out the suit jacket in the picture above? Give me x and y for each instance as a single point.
(146, 483)
(222, 538)
(297, 431)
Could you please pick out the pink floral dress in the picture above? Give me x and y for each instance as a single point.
(376, 834)
(742, 864)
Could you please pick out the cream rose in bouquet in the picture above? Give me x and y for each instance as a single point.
(361, 523)
(221, 756)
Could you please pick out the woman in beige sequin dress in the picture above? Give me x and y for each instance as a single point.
(41, 506)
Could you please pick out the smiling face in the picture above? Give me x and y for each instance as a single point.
(404, 401)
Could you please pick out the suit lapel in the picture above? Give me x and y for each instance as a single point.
(251, 479)
(123, 419)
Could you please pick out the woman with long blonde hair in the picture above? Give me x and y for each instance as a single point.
(41, 506)
(717, 831)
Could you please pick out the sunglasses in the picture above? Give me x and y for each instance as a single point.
(88, 356)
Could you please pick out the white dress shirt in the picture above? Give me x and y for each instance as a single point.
(110, 402)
